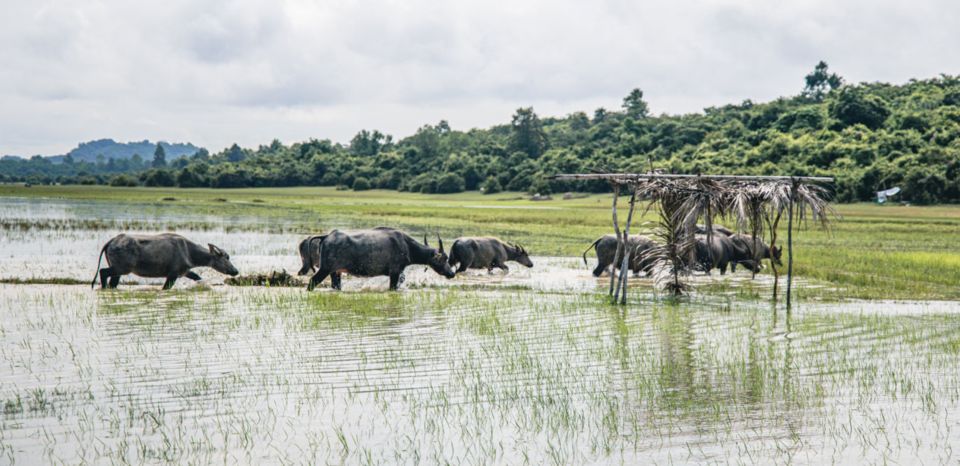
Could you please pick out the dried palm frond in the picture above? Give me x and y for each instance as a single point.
(747, 206)
(813, 199)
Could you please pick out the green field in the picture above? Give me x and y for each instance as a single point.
(530, 367)
(870, 252)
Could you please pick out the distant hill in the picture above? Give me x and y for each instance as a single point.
(110, 149)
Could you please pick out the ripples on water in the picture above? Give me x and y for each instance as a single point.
(470, 377)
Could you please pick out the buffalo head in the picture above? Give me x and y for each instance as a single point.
(521, 256)
(221, 261)
(439, 261)
(775, 254)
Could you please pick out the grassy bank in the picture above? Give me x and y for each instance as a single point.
(878, 252)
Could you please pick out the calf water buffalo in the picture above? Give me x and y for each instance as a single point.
(310, 254)
(165, 255)
(371, 253)
(756, 250)
(486, 253)
(606, 249)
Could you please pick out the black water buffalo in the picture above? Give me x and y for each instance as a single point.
(702, 230)
(375, 252)
(606, 249)
(309, 250)
(762, 251)
(720, 251)
(486, 253)
(165, 255)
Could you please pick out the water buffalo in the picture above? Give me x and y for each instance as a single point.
(702, 230)
(310, 254)
(762, 251)
(486, 253)
(720, 251)
(606, 249)
(371, 253)
(165, 255)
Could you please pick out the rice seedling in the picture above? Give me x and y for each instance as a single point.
(532, 366)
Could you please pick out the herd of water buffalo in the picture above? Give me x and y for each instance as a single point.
(388, 251)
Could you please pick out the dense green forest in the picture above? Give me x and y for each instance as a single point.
(869, 136)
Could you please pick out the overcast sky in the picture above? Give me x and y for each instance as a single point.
(246, 71)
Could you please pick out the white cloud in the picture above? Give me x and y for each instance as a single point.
(248, 71)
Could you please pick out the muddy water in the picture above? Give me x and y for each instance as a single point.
(527, 367)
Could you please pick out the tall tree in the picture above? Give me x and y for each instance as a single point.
(235, 153)
(367, 143)
(634, 104)
(159, 157)
(528, 135)
(599, 115)
(820, 82)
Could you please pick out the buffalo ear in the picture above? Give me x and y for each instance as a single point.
(440, 241)
(214, 250)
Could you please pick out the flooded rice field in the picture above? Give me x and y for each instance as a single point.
(529, 367)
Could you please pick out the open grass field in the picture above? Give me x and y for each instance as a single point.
(871, 251)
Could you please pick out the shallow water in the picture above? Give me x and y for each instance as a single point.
(528, 367)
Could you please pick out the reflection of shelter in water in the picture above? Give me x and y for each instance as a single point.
(755, 203)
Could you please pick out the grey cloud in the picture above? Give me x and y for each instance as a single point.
(251, 70)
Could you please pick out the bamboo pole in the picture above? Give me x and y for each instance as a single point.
(772, 226)
(793, 194)
(616, 229)
(625, 264)
(628, 177)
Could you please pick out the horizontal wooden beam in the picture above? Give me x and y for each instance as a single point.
(627, 177)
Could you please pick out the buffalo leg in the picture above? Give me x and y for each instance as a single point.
(505, 269)
(169, 283)
(466, 260)
(191, 275)
(599, 269)
(394, 280)
(114, 281)
(335, 282)
(317, 278)
(105, 274)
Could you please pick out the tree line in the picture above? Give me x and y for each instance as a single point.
(869, 136)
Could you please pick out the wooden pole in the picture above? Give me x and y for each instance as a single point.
(773, 225)
(625, 264)
(630, 177)
(793, 193)
(616, 229)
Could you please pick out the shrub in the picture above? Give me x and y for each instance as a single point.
(123, 180)
(450, 183)
(361, 184)
(491, 186)
(158, 177)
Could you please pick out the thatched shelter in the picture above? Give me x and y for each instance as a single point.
(756, 204)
